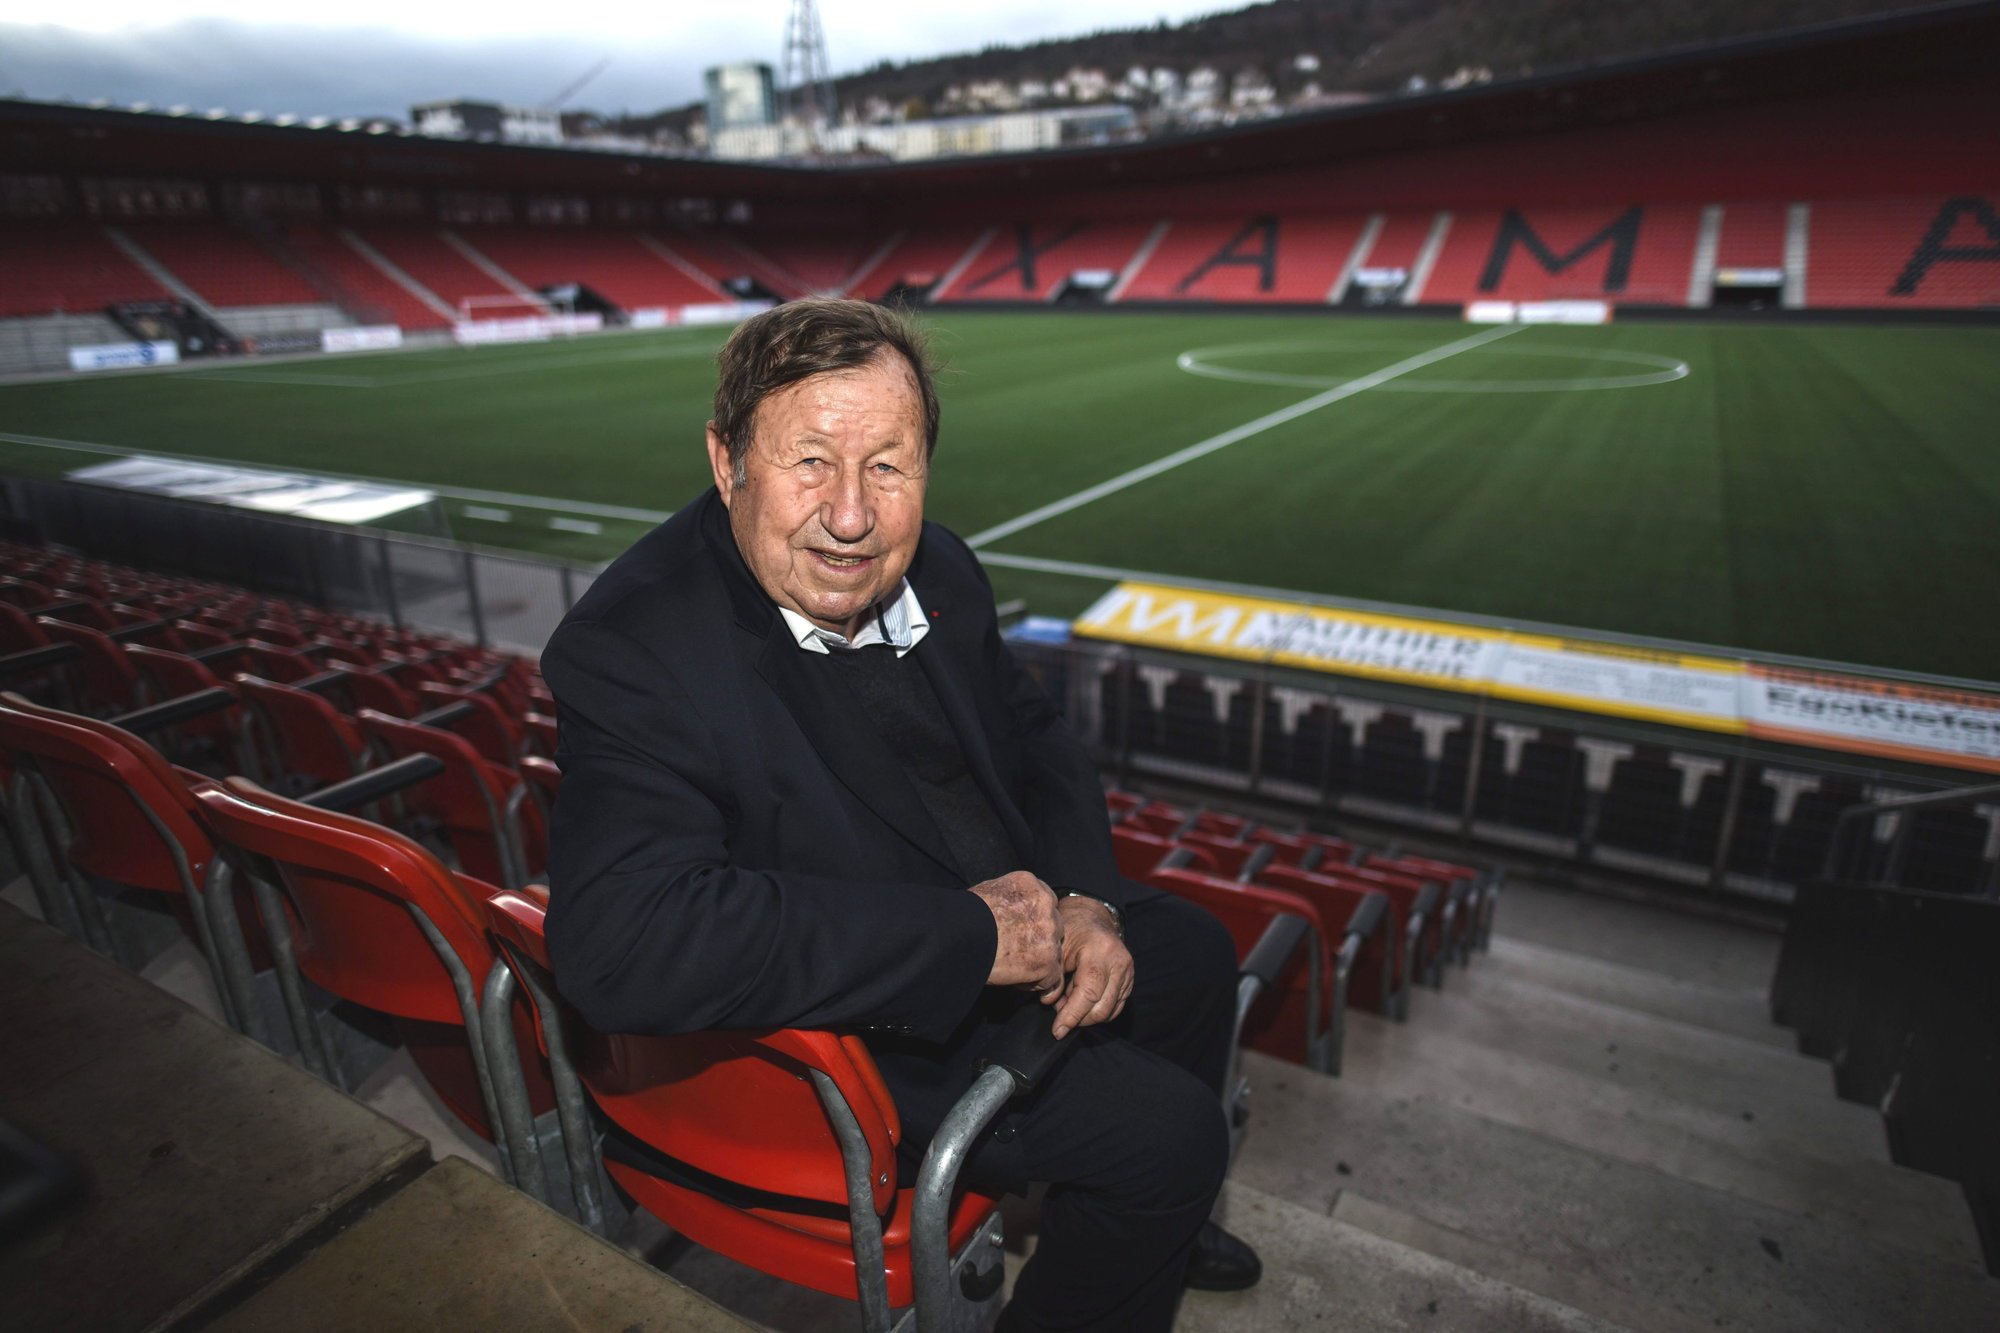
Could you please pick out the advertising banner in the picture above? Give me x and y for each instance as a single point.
(1630, 682)
(1893, 719)
(525, 328)
(123, 356)
(1289, 634)
(1905, 720)
(368, 338)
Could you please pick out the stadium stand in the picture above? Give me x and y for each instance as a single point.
(914, 260)
(1027, 262)
(52, 267)
(617, 265)
(1293, 259)
(224, 266)
(366, 289)
(1636, 255)
(1752, 235)
(729, 260)
(828, 262)
(1886, 253)
(443, 263)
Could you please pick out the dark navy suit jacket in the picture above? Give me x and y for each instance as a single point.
(735, 847)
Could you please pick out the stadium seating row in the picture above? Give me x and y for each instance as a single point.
(1838, 253)
(197, 744)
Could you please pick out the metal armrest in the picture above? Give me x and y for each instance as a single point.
(1027, 1047)
(375, 783)
(1023, 1053)
(1269, 955)
(218, 653)
(138, 629)
(323, 682)
(444, 714)
(56, 608)
(169, 711)
(1258, 860)
(1367, 918)
(34, 659)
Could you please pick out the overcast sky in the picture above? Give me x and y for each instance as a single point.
(379, 56)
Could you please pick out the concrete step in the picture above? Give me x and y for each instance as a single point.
(1655, 1057)
(1320, 1272)
(1752, 1160)
(1624, 1242)
(1660, 940)
(1743, 1013)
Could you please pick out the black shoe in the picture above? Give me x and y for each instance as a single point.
(1221, 1262)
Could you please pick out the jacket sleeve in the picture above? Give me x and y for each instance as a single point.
(652, 927)
(1062, 796)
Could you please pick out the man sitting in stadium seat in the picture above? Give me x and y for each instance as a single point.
(806, 785)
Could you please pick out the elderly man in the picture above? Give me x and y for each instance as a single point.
(806, 785)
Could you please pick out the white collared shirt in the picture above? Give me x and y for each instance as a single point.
(899, 621)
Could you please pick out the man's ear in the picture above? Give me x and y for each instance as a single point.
(719, 465)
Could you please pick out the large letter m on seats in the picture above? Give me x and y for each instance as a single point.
(1621, 234)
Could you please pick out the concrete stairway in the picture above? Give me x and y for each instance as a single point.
(1595, 1126)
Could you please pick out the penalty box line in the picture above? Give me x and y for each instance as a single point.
(1237, 434)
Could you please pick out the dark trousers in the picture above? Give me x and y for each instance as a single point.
(1129, 1135)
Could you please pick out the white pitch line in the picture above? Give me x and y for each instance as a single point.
(1237, 434)
(543, 502)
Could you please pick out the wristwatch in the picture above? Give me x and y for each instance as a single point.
(1117, 917)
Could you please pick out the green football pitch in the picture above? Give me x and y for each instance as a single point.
(1828, 491)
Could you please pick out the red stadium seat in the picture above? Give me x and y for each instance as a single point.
(110, 681)
(372, 918)
(1386, 961)
(130, 821)
(1139, 853)
(747, 1143)
(482, 808)
(307, 740)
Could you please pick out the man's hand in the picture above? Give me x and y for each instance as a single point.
(1031, 933)
(1097, 963)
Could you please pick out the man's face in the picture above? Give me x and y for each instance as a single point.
(831, 505)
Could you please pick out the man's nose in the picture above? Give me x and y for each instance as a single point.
(845, 514)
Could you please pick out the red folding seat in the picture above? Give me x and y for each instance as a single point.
(1424, 912)
(1299, 1018)
(1233, 859)
(22, 593)
(542, 733)
(483, 809)
(1477, 891)
(376, 688)
(542, 775)
(1331, 848)
(80, 608)
(1164, 820)
(1385, 963)
(372, 918)
(286, 665)
(198, 635)
(110, 681)
(172, 675)
(1291, 849)
(487, 726)
(305, 738)
(130, 820)
(1119, 804)
(1139, 853)
(18, 630)
(1220, 824)
(778, 1148)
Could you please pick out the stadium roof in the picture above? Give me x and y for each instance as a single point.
(1913, 47)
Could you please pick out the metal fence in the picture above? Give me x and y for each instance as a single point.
(494, 598)
(1723, 815)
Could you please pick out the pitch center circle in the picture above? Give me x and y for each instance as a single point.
(1205, 361)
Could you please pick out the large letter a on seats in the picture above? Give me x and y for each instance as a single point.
(1933, 250)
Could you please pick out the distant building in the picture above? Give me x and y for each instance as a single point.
(487, 122)
(958, 136)
(740, 96)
